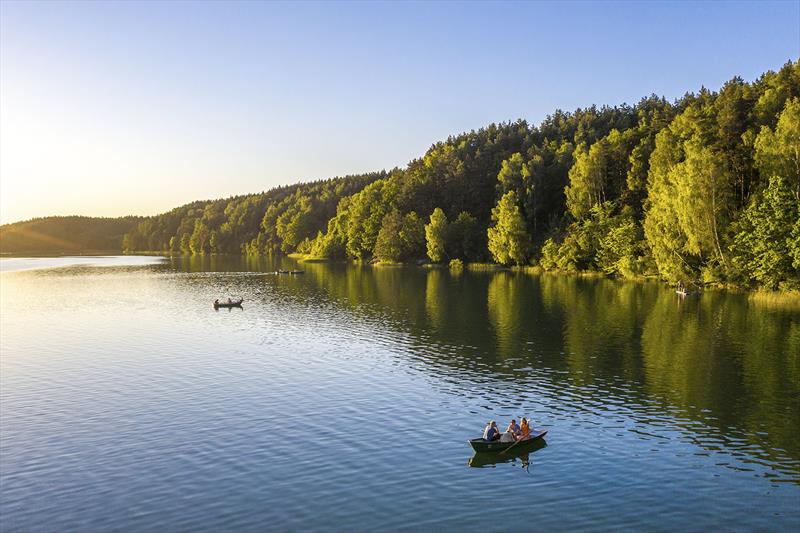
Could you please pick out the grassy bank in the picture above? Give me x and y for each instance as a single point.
(789, 300)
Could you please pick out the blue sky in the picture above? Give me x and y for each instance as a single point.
(108, 108)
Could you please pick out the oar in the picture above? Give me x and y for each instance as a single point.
(520, 440)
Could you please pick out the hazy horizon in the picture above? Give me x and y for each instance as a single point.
(136, 108)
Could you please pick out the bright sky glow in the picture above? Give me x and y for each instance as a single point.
(113, 108)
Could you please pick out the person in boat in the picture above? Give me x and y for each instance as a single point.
(524, 429)
(513, 427)
(216, 302)
(490, 432)
(508, 436)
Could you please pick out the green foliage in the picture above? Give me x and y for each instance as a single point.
(690, 198)
(466, 239)
(766, 247)
(660, 223)
(794, 244)
(412, 235)
(515, 175)
(600, 172)
(296, 223)
(778, 153)
(436, 236)
(276, 220)
(366, 214)
(695, 188)
(400, 238)
(620, 250)
(509, 241)
(704, 189)
(66, 235)
(605, 240)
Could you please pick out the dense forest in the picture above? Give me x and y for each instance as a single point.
(65, 235)
(705, 189)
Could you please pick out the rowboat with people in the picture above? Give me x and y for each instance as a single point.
(482, 445)
(228, 303)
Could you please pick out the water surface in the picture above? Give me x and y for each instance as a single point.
(343, 398)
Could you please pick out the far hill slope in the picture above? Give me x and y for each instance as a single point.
(69, 234)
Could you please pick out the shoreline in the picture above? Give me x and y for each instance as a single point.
(769, 298)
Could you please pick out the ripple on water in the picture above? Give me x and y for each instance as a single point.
(144, 408)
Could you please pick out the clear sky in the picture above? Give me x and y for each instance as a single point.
(111, 108)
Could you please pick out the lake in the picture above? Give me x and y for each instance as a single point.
(342, 399)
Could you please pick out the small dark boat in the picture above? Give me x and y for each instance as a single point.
(480, 445)
(521, 452)
(228, 303)
(290, 272)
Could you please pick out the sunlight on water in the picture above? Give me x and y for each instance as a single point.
(12, 264)
(343, 398)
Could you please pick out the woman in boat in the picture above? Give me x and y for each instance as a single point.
(491, 432)
(524, 429)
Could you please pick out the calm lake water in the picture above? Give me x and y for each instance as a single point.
(342, 399)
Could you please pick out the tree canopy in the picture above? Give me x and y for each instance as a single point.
(705, 187)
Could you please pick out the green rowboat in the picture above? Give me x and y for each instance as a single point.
(480, 445)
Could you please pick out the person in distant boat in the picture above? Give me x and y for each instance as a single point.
(491, 432)
(216, 302)
(508, 436)
(513, 427)
(524, 429)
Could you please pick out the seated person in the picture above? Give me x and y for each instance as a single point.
(524, 428)
(513, 427)
(491, 432)
(508, 436)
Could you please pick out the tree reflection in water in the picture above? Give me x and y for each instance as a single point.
(718, 367)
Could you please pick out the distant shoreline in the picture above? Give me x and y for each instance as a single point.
(777, 298)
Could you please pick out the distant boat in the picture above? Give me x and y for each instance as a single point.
(683, 290)
(480, 445)
(290, 272)
(228, 303)
(519, 453)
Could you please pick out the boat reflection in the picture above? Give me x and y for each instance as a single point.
(228, 308)
(521, 453)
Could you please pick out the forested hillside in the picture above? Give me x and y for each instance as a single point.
(65, 235)
(279, 220)
(703, 188)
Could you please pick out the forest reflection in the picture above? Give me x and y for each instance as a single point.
(718, 359)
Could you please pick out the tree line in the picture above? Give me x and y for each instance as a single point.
(65, 234)
(704, 188)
